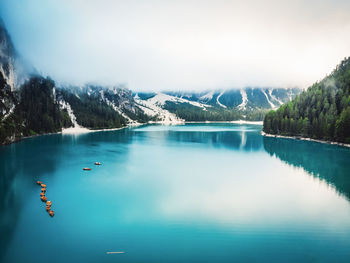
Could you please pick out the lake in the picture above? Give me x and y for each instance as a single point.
(186, 193)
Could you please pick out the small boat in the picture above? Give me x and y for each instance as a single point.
(42, 194)
(43, 190)
(48, 208)
(97, 163)
(39, 182)
(44, 198)
(51, 213)
(86, 169)
(48, 203)
(43, 185)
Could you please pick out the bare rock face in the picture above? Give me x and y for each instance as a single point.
(23, 92)
(7, 74)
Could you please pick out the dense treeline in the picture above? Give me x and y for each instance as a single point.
(38, 108)
(36, 112)
(91, 112)
(320, 112)
(255, 115)
(189, 112)
(139, 115)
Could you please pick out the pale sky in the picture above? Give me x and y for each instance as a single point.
(181, 45)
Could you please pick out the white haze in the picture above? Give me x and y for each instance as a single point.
(182, 45)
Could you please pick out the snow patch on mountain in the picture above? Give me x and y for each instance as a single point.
(274, 97)
(6, 114)
(10, 78)
(153, 107)
(76, 127)
(268, 100)
(217, 100)
(243, 105)
(119, 111)
(207, 97)
(161, 98)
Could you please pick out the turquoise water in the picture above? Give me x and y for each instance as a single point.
(189, 193)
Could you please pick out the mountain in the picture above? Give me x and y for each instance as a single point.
(320, 112)
(246, 98)
(7, 73)
(31, 104)
(214, 105)
(94, 106)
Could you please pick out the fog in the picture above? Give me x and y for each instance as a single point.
(182, 45)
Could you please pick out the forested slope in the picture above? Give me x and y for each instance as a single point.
(320, 112)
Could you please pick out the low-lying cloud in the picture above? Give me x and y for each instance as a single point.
(157, 45)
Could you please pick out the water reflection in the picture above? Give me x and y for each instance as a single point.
(327, 162)
(19, 164)
(39, 158)
(232, 136)
(187, 189)
(222, 176)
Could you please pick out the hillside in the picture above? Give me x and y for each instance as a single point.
(216, 105)
(320, 112)
(31, 104)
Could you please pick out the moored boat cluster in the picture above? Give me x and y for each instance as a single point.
(44, 198)
(89, 169)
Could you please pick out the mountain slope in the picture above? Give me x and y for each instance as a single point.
(31, 104)
(246, 98)
(7, 75)
(99, 107)
(214, 105)
(321, 112)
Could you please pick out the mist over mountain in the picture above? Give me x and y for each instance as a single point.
(320, 112)
(183, 45)
(37, 105)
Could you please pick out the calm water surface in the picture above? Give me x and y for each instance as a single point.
(190, 193)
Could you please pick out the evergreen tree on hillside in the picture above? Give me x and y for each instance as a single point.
(36, 112)
(320, 112)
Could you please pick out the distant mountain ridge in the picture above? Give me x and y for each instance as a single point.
(7, 73)
(31, 104)
(245, 98)
(215, 105)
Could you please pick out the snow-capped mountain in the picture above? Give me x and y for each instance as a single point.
(31, 104)
(223, 105)
(155, 106)
(243, 99)
(77, 100)
(7, 74)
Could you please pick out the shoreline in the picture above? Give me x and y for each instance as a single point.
(82, 130)
(305, 139)
(71, 132)
(234, 122)
(185, 122)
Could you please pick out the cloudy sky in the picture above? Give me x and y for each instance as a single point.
(182, 45)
